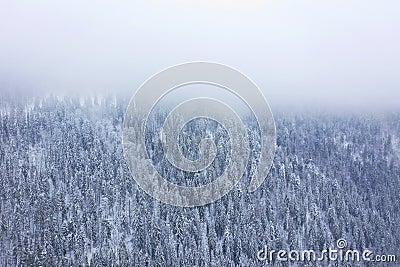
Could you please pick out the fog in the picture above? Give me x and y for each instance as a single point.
(300, 53)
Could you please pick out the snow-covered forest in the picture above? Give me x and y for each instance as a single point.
(67, 197)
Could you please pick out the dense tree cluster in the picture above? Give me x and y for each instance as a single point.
(67, 197)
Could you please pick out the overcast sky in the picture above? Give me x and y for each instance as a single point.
(339, 52)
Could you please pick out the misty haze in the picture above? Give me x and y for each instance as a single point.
(330, 74)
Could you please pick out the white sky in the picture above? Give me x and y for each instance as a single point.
(339, 53)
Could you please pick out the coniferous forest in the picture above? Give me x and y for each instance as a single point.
(67, 197)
